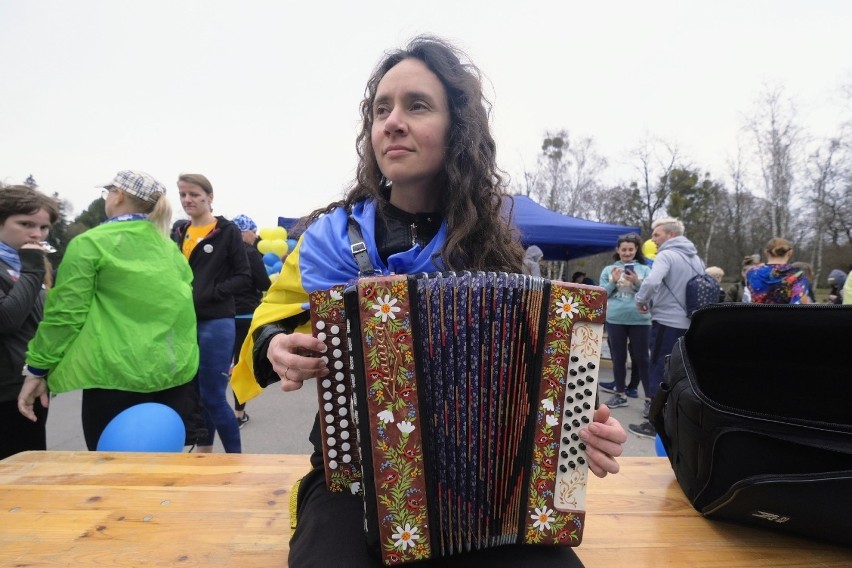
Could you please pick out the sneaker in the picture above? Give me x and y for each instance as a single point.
(646, 410)
(616, 401)
(644, 430)
(243, 420)
(608, 387)
(632, 393)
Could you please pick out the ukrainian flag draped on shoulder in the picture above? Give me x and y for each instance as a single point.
(322, 259)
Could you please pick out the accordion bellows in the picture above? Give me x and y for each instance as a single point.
(454, 404)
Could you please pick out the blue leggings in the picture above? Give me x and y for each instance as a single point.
(663, 339)
(637, 335)
(216, 344)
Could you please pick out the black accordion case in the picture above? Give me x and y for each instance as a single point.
(755, 414)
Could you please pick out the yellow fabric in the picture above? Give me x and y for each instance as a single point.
(294, 501)
(284, 299)
(193, 236)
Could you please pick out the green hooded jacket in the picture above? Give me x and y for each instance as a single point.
(121, 314)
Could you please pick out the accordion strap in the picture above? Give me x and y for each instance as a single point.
(359, 249)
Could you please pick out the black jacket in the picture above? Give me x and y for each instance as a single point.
(249, 298)
(21, 308)
(220, 269)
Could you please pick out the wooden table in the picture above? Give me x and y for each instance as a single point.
(108, 509)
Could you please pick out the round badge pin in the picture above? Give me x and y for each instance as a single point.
(208, 248)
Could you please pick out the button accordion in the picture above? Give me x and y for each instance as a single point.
(453, 405)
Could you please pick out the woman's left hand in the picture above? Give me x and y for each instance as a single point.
(604, 440)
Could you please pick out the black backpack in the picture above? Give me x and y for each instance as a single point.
(754, 415)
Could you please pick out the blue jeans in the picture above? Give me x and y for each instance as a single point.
(618, 336)
(216, 345)
(663, 339)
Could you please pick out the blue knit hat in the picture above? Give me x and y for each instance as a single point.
(245, 223)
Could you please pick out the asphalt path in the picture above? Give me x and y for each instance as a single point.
(281, 421)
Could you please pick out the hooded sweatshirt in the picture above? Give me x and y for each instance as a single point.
(664, 290)
(532, 256)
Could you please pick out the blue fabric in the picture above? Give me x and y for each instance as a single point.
(325, 259)
(127, 217)
(216, 344)
(245, 223)
(11, 257)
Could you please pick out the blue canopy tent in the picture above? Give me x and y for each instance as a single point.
(560, 237)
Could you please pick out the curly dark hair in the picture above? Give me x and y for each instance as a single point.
(480, 236)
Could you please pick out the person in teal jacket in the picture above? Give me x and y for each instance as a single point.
(120, 322)
(625, 325)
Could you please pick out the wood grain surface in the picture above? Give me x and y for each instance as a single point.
(122, 509)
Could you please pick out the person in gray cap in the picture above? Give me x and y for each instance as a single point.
(120, 322)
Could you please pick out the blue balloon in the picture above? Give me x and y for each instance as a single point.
(277, 266)
(658, 446)
(269, 269)
(146, 427)
(270, 258)
(291, 244)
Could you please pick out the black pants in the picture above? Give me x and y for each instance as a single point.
(102, 405)
(330, 532)
(19, 434)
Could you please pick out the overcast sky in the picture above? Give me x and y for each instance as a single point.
(262, 96)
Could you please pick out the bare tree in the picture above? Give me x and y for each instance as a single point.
(776, 136)
(654, 161)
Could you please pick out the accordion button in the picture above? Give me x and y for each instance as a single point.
(326, 396)
(335, 329)
(569, 413)
(575, 422)
(582, 369)
(335, 341)
(339, 376)
(328, 407)
(563, 453)
(344, 435)
(578, 409)
(344, 423)
(588, 392)
(320, 325)
(342, 411)
(341, 400)
(575, 437)
(340, 388)
(569, 399)
(587, 406)
(337, 354)
(331, 441)
(329, 419)
(345, 446)
(572, 372)
(332, 453)
(321, 336)
(592, 365)
(332, 464)
(567, 427)
(338, 365)
(590, 378)
(572, 386)
(574, 359)
(329, 429)
(326, 383)
(579, 396)
(584, 419)
(346, 458)
(581, 460)
(563, 469)
(572, 465)
(573, 452)
(581, 382)
(324, 360)
(565, 440)
(582, 446)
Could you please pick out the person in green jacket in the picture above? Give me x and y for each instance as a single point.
(120, 322)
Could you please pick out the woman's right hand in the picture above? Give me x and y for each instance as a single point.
(615, 275)
(295, 357)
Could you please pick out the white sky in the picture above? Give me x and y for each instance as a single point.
(262, 96)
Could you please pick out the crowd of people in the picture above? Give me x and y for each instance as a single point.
(427, 197)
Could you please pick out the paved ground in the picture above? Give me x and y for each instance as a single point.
(280, 422)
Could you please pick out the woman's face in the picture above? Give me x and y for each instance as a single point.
(193, 199)
(411, 120)
(626, 251)
(18, 230)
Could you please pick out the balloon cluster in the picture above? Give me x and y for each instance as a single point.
(274, 246)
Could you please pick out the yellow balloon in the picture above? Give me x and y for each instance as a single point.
(279, 233)
(279, 247)
(265, 246)
(267, 233)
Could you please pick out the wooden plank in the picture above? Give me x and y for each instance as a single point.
(208, 510)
